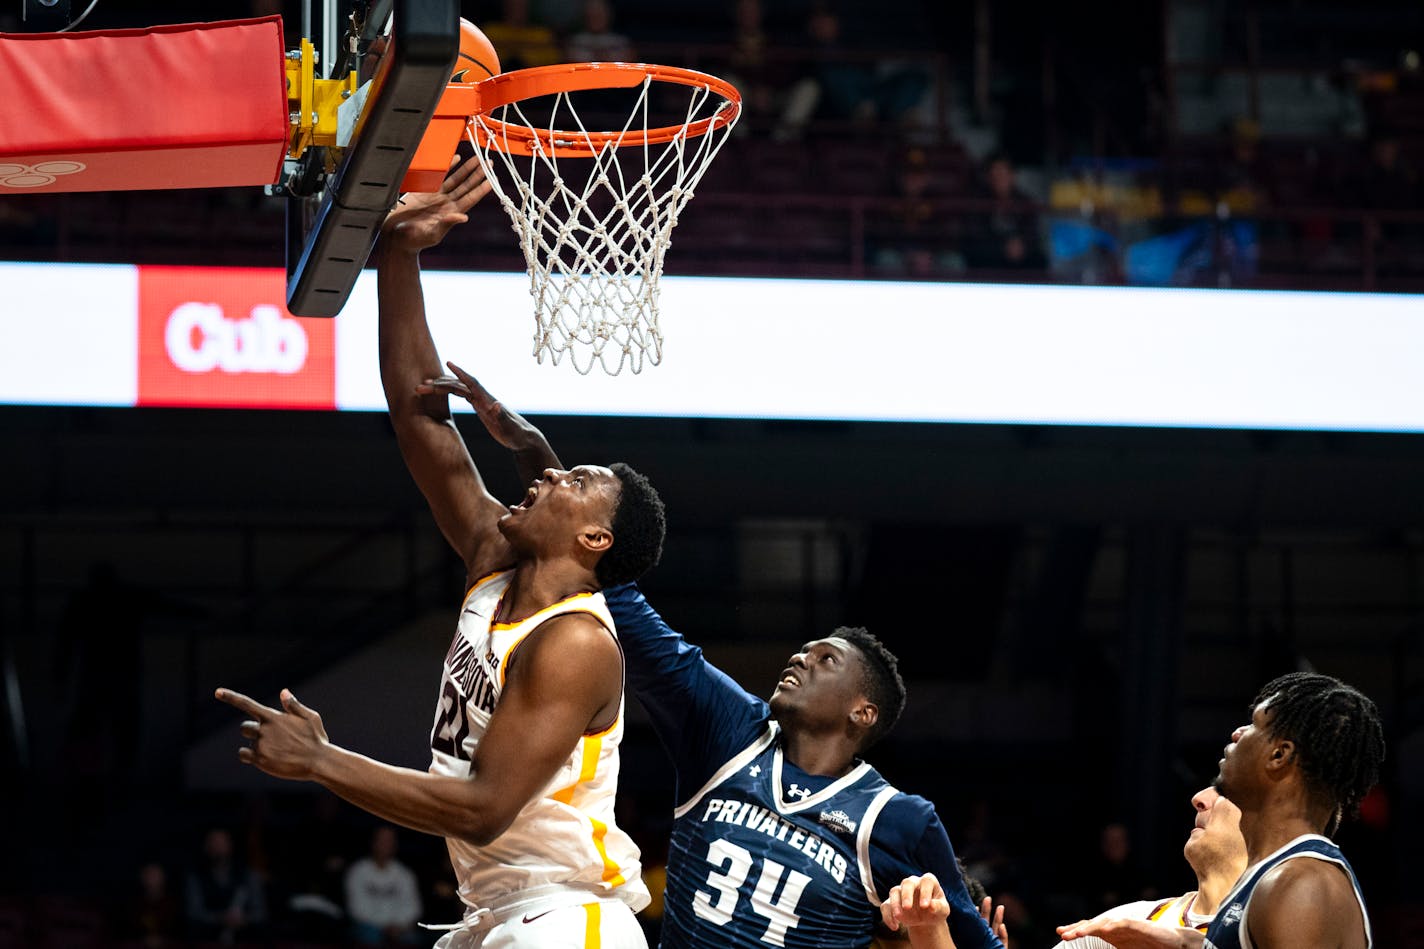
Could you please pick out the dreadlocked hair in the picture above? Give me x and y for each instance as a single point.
(638, 526)
(1337, 733)
(880, 680)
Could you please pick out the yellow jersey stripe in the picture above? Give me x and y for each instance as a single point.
(612, 875)
(592, 926)
(1160, 909)
(589, 765)
(481, 581)
(538, 613)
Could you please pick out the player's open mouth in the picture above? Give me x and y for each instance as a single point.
(789, 678)
(529, 497)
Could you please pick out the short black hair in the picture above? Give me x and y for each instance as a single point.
(881, 680)
(639, 524)
(977, 893)
(1337, 734)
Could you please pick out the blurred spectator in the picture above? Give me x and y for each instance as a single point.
(764, 79)
(152, 917)
(1005, 234)
(382, 895)
(597, 42)
(1113, 876)
(1386, 182)
(838, 85)
(225, 901)
(519, 41)
(917, 240)
(1240, 174)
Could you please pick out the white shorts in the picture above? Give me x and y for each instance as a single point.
(596, 924)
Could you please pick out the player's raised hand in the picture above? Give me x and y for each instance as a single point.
(422, 220)
(1133, 934)
(915, 902)
(505, 425)
(994, 919)
(285, 742)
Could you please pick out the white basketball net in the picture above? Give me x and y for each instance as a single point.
(595, 230)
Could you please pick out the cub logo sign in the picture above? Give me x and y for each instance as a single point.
(222, 337)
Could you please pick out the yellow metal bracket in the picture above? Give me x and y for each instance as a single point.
(311, 102)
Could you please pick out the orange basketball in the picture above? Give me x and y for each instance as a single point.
(478, 60)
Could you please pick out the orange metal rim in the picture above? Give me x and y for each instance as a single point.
(510, 87)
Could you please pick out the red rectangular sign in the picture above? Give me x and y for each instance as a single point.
(222, 337)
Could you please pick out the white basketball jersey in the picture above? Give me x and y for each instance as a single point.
(1175, 912)
(566, 834)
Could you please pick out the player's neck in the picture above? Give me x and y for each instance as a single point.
(1212, 888)
(815, 753)
(537, 584)
(1272, 827)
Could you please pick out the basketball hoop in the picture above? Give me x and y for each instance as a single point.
(594, 210)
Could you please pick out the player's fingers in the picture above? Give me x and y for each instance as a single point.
(251, 730)
(907, 892)
(925, 890)
(478, 393)
(467, 184)
(290, 703)
(474, 196)
(1072, 930)
(446, 385)
(890, 909)
(246, 755)
(998, 916)
(244, 704)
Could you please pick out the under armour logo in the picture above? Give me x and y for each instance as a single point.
(797, 790)
(37, 175)
(754, 770)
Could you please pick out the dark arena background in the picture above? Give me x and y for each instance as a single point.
(1082, 611)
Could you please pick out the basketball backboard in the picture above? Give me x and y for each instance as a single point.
(335, 208)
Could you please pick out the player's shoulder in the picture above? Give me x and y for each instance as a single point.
(1304, 879)
(903, 820)
(575, 629)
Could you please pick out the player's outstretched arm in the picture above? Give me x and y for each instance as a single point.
(532, 452)
(1132, 934)
(548, 703)
(435, 454)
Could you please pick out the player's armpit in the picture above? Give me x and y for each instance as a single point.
(564, 681)
(1304, 903)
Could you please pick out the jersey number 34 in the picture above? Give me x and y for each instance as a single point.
(734, 866)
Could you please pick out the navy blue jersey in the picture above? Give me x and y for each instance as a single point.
(1230, 928)
(763, 853)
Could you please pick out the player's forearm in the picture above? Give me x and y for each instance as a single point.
(407, 351)
(433, 804)
(531, 459)
(935, 936)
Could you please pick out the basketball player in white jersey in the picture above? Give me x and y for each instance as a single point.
(1309, 755)
(530, 715)
(1214, 848)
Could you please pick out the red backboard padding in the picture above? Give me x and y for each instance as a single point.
(198, 105)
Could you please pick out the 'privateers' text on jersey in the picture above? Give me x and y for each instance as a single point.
(1229, 930)
(771, 869)
(566, 834)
